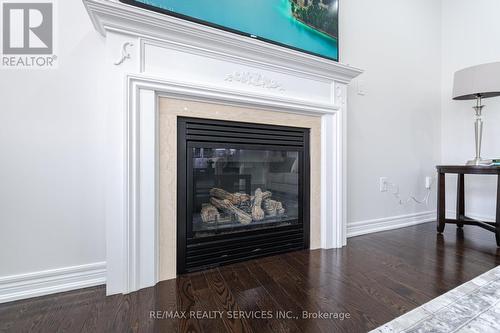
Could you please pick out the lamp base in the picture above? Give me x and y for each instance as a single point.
(479, 162)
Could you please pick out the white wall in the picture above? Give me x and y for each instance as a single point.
(51, 141)
(471, 36)
(393, 130)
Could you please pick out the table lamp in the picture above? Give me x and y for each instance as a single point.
(477, 82)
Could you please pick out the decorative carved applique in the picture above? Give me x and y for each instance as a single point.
(125, 53)
(340, 92)
(254, 79)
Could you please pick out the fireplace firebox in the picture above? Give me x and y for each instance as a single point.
(243, 192)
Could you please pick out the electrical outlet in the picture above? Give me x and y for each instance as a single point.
(383, 184)
(428, 182)
(361, 87)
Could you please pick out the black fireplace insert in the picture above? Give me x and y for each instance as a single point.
(243, 192)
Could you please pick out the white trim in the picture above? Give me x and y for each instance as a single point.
(142, 226)
(389, 223)
(219, 95)
(149, 151)
(16, 287)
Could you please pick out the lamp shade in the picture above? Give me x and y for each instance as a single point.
(482, 80)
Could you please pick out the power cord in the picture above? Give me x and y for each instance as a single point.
(395, 193)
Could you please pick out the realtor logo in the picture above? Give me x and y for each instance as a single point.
(28, 34)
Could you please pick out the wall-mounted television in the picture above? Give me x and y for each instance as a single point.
(309, 26)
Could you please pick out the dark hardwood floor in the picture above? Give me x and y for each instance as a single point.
(374, 279)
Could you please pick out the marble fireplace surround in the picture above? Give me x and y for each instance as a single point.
(168, 111)
(153, 58)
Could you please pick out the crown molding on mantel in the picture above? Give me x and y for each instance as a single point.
(108, 15)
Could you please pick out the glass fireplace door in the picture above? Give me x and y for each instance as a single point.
(242, 191)
(232, 188)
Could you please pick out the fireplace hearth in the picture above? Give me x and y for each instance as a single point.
(243, 192)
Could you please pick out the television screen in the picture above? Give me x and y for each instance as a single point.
(307, 25)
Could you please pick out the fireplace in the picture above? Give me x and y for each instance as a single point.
(243, 192)
(152, 58)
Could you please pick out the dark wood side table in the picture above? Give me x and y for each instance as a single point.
(461, 219)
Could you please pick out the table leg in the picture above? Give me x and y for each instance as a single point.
(460, 199)
(497, 234)
(441, 209)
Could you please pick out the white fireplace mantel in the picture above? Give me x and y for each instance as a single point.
(151, 55)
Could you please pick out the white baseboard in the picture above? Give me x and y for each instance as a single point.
(389, 223)
(16, 287)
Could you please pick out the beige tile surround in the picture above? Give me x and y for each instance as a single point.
(169, 110)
